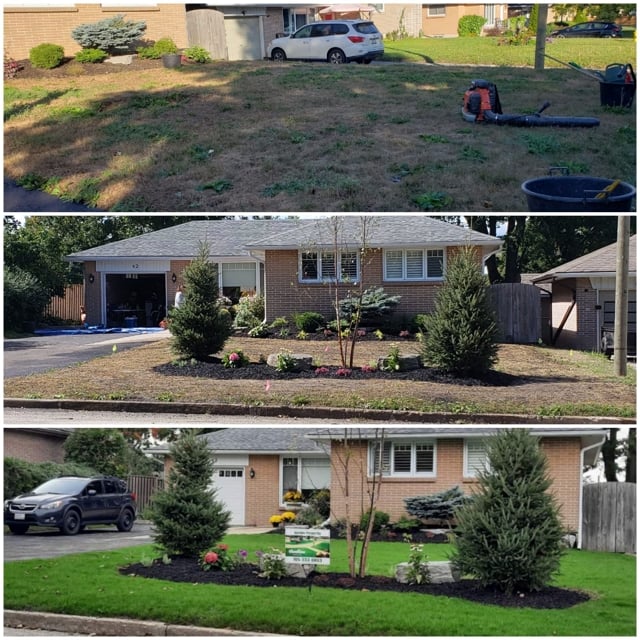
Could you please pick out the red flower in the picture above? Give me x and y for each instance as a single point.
(211, 557)
(223, 547)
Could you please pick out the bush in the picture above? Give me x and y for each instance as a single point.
(461, 334)
(186, 517)
(509, 536)
(439, 506)
(107, 448)
(90, 56)
(197, 54)
(25, 298)
(321, 501)
(380, 519)
(249, 312)
(470, 26)
(158, 49)
(21, 476)
(309, 321)
(201, 325)
(46, 56)
(111, 34)
(374, 305)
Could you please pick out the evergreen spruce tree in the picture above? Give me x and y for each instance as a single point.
(186, 516)
(201, 325)
(460, 336)
(509, 536)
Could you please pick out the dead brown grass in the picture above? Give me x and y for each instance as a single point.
(259, 136)
(552, 382)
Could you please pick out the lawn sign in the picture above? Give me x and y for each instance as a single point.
(307, 546)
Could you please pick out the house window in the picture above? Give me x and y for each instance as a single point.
(413, 264)
(320, 266)
(436, 10)
(475, 457)
(305, 474)
(403, 458)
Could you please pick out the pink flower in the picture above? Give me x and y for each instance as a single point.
(322, 371)
(344, 373)
(211, 557)
(234, 357)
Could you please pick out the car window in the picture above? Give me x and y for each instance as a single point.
(94, 485)
(340, 29)
(305, 32)
(110, 486)
(61, 486)
(365, 27)
(320, 30)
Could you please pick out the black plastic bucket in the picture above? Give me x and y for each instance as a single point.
(616, 94)
(576, 193)
(171, 60)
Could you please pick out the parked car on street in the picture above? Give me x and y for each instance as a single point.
(334, 41)
(596, 29)
(71, 503)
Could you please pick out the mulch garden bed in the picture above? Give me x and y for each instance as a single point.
(187, 570)
(70, 67)
(215, 370)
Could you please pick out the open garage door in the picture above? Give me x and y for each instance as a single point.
(135, 299)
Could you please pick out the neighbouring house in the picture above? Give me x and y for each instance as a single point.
(38, 444)
(228, 30)
(291, 262)
(255, 467)
(583, 299)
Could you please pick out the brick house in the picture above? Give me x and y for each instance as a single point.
(583, 298)
(254, 467)
(289, 261)
(228, 30)
(36, 444)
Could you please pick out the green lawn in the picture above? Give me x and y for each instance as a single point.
(89, 584)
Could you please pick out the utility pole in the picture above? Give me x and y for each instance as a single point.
(622, 296)
(541, 36)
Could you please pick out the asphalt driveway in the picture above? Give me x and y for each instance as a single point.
(18, 199)
(47, 543)
(24, 356)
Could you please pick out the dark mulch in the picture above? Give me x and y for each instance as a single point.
(187, 570)
(255, 371)
(70, 67)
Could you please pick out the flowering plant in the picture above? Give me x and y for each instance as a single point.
(272, 564)
(418, 572)
(275, 520)
(343, 373)
(321, 371)
(288, 516)
(217, 559)
(234, 360)
(293, 496)
(368, 368)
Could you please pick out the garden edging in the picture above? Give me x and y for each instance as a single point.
(320, 413)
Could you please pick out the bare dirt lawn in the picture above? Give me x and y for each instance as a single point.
(529, 380)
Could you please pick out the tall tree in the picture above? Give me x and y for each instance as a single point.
(103, 449)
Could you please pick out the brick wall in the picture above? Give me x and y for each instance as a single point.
(580, 330)
(92, 294)
(390, 17)
(32, 446)
(24, 28)
(564, 465)
(285, 295)
(588, 333)
(263, 491)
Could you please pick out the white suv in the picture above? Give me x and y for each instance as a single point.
(335, 41)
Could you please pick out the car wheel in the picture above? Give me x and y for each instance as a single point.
(278, 55)
(368, 61)
(71, 523)
(335, 56)
(18, 529)
(125, 521)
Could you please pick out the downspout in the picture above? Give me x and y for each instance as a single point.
(581, 496)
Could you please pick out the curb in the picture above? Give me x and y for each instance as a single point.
(321, 413)
(111, 626)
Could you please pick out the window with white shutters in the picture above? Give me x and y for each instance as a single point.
(413, 264)
(475, 457)
(402, 458)
(320, 266)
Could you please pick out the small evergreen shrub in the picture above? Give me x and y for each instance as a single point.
(91, 56)
(309, 321)
(380, 519)
(249, 312)
(470, 26)
(111, 35)
(197, 54)
(46, 56)
(374, 305)
(439, 506)
(510, 535)
(158, 49)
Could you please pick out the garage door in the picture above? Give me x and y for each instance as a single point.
(243, 38)
(229, 483)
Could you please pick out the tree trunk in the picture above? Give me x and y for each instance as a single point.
(609, 456)
(630, 470)
(541, 36)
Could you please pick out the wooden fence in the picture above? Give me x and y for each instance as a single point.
(145, 487)
(517, 309)
(68, 306)
(609, 517)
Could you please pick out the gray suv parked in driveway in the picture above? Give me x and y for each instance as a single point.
(71, 503)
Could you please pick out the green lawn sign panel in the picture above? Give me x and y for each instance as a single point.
(307, 546)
